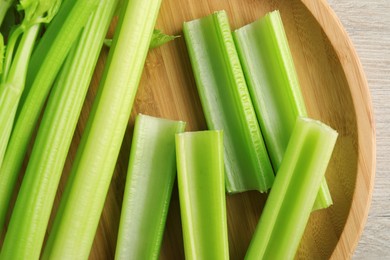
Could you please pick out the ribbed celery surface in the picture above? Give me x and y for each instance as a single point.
(200, 169)
(33, 206)
(46, 61)
(149, 183)
(82, 202)
(294, 191)
(226, 102)
(274, 87)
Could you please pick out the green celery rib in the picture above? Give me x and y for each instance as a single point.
(25, 234)
(150, 178)
(294, 191)
(200, 178)
(274, 87)
(226, 102)
(12, 87)
(83, 199)
(45, 63)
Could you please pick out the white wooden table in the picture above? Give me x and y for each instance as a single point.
(368, 25)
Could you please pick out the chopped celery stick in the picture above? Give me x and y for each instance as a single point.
(200, 178)
(294, 191)
(226, 102)
(25, 235)
(149, 183)
(273, 84)
(82, 202)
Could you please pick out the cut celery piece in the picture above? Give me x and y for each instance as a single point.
(200, 179)
(149, 183)
(274, 87)
(25, 234)
(294, 191)
(83, 200)
(226, 102)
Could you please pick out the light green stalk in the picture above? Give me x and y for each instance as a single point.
(33, 206)
(149, 183)
(294, 191)
(200, 169)
(226, 102)
(13, 80)
(79, 212)
(274, 87)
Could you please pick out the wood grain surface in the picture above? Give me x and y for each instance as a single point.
(368, 25)
(334, 88)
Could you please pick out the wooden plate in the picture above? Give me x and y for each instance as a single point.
(334, 88)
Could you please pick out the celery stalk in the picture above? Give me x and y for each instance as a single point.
(25, 235)
(226, 102)
(274, 87)
(294, 191)
(200, 178)
(83, 200)
(13, 81)
(45, 63)
(150, 177)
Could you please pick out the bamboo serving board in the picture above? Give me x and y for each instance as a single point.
(335, 91)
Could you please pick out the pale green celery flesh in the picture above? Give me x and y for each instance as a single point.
(274, 87)
(149, 183)
(45, 63)
(226, 102)
(289, 204)
(25, 234)
(200, 178)
(82, 202)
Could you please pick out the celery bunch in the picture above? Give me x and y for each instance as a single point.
(25, 234)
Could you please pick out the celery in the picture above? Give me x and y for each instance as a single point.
(294, 191)
(226, 102)
(82, 202)
(200, 179)
(150, 177)
(274, 87)
(14, 79)
(15, 64)
(25, 234)
(2, 49)
(4, 6)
